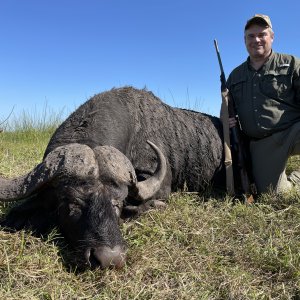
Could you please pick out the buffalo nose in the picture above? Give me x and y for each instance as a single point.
(106, 257)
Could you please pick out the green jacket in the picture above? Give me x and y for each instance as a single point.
(267, 100)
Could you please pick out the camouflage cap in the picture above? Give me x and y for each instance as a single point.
(259, 19)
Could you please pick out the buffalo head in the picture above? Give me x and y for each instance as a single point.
(88, 188)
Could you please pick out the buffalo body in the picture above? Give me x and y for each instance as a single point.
(118, 154)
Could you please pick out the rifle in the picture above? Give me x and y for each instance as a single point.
(237, 159)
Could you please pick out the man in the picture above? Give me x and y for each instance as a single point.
(266, 94)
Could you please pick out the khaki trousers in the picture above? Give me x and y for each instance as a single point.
(269, 157)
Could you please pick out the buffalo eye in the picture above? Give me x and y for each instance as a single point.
(74, 211)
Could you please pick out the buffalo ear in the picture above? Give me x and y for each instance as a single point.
(132, 211)
(35, 213)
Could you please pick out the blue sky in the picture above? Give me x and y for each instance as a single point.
(59, 53)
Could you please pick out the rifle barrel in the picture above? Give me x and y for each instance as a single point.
(223, 78)
(219, 57)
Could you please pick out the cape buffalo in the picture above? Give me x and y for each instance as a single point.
(119, 153)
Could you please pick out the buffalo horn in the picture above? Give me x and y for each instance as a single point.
(69, 160)
(148, 188)
(114, 164)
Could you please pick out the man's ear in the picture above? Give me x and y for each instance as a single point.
(271, 34)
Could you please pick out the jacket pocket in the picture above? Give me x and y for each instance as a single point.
(276, 84)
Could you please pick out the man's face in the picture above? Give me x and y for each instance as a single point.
(258, 41)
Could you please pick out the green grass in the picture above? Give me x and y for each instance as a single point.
(196, 248)
(24, 140)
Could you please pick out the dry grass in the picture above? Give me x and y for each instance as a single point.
(197, 248)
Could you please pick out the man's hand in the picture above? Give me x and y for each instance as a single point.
(232, 122)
